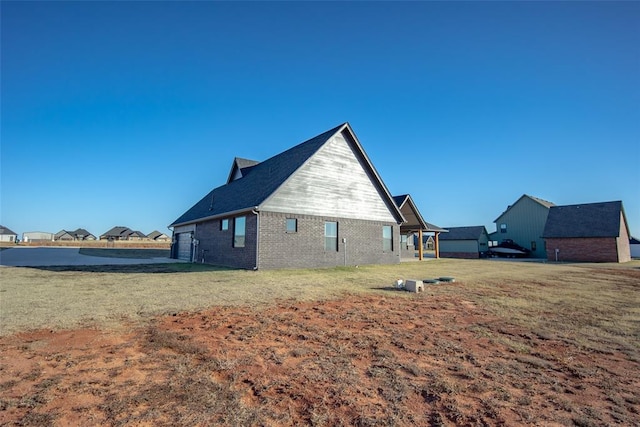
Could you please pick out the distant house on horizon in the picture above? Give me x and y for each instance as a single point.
(6, 235)
(79, 234)
(320, 203)
(37, 236)
(523, 222)
(590, 232)
(158, 236)
(116, 233)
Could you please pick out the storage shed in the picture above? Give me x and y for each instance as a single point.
(464, 242)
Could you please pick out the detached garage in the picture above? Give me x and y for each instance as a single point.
(593, 232)
(464, 242)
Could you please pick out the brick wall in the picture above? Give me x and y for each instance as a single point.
(464, 255)
(216, 245)
(305, 247)
(596, 249)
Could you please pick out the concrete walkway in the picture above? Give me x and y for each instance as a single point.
(44, 257)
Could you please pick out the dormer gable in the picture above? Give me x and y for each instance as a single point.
(240, 168)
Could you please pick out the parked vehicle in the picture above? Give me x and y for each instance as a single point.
(509, 249)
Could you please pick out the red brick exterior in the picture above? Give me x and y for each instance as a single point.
(593, 249)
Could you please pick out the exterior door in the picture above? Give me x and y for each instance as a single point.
(184, 246)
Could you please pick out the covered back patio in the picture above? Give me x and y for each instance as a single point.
(415, 225)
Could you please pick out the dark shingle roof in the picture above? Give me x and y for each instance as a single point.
(406, 198)
(5, 231)
(585, 220)
(263, 180)
(464, 233)
(81, 232)
(117, 231)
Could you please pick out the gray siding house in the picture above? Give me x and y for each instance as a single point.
(464, 242)
(6, 235)
(318, 204)
(523, 222)
(593, 232)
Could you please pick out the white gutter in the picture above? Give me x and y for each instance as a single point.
(257, 214)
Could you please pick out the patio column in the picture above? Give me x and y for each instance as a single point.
(420, 244)
(437, 245)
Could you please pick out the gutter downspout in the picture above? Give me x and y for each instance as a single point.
(257, 214)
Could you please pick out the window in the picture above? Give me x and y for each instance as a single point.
(239, 225)
(503, 228)
(330, 236)
(224, 224)
(403, 241)
(292, 225)
(533, 245)
(387, 238)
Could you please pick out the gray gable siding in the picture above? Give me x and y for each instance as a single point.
(332, 183)
(525, 222)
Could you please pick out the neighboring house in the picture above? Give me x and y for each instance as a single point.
(7, 235)
(634, 245)
(37, 236)
(117, 233)
(82, 234)
(464, 242)
(136, 235)
(63, 235)
(523, 223)
(429, 243)
(593, 232)
(413, 227)
(158, 236)
(79, 234)
(318, 204)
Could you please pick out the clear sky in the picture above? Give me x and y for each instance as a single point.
(127, 113)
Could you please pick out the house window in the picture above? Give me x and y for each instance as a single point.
(533, 245)
(403, 241)
(292, 225)
(387, 238)
(224, 224)
(503, 228)
(239, 226)
(330, 236)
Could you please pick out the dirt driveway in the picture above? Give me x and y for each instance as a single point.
(50, 256)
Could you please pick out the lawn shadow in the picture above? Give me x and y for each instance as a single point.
(136, 268)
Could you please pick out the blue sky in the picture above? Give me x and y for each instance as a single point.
(127, 113)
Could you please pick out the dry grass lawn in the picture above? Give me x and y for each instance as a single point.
(509, 343)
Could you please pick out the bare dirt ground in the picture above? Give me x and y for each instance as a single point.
(509, 344)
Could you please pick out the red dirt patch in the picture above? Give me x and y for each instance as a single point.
(354, 361)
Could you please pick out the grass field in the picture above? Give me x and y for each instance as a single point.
(509, 343)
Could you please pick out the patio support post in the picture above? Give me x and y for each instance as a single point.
(420, 244)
